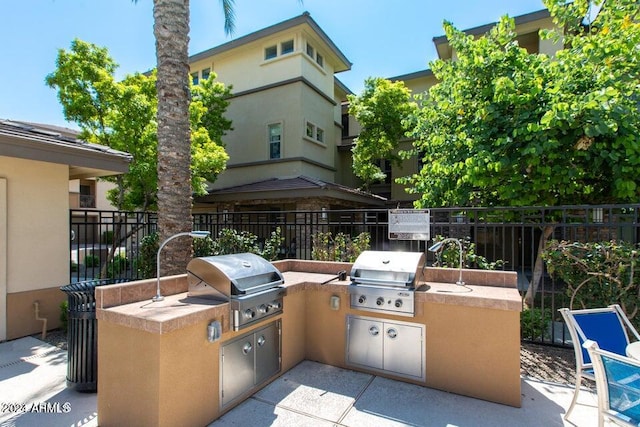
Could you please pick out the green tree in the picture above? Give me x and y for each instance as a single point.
(381, 110)
(507, 128)
(121, 115)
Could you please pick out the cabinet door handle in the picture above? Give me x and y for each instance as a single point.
(373, 330)
(246, 349)
(392, 333)
(261, 340)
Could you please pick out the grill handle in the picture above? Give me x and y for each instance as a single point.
(386, 282)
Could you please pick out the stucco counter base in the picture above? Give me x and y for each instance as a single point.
(156, 366)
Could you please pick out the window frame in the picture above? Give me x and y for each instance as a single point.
(288, 50)
(314, 133)
(267, 52)
(207, 71)
(271, 142)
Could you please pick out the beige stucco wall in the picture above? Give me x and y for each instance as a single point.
(245, 67)
(262, 99)
(291, 105)
(37, 242)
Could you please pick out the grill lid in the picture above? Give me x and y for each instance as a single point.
(234, 274)
(386, 268)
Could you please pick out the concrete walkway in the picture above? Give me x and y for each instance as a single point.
(33, 392)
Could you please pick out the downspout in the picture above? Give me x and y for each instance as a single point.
(36, 306)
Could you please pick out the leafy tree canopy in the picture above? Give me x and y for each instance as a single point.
(505, 127)
(380, 110)
(122, 115)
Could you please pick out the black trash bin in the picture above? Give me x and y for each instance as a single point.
(82, 334)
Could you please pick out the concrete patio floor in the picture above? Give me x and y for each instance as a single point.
(33, 374)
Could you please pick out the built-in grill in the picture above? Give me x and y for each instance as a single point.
(251, 284)
(385, 281)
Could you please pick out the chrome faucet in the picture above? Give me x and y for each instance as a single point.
(436, 247)
(199, 234)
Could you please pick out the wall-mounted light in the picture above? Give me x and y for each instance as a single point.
(323, 215)
(195, 234)
(438, 246)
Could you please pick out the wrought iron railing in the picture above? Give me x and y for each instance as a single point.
(508, 234)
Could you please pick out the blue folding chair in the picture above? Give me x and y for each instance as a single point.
(607, 326)
(618, 386)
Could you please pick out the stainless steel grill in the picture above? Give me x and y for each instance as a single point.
(384, 281)
(251, 284)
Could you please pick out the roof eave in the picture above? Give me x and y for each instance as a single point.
(305, 18)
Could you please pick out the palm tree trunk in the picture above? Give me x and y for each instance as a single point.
(171, 30)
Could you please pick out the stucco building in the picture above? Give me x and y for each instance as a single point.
(291, 144)
(37, 164)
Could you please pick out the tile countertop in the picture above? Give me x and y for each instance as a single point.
(178, 310)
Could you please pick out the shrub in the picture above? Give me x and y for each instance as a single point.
(534, 323)
(449, 256)
(64, 315)
(203, 247)
(117, 266)
(597, 274)
(146, 259)
(231, 241)
(342, 247)
(74, 266)
(107, 237)
(91, 261)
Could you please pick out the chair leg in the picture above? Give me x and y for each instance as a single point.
(575, 396)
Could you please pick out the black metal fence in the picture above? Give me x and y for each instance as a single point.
(508, 234)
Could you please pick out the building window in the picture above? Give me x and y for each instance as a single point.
(314, 132)
(345, 125)
(320, 60)
(270, 52)
(310, 50)
(286, 47)
(194, 78)
(206, 73)
(275, 140)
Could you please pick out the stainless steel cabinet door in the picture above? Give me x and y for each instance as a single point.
(267, 341)
(237, 368)
(403, 349)
(364, 346)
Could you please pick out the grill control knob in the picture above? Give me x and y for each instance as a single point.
(249, 313)
(362, 299)
(276, 305)
(380, 301)
(398, 303)
(263, 309)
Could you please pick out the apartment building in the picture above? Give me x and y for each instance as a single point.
(291, 144)
(286, 113)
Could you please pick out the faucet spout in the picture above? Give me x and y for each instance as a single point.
(436, 247)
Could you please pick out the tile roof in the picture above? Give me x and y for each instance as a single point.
(290, 185)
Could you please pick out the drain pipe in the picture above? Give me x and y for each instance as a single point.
(36, 306)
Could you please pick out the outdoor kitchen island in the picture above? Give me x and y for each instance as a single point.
(158, 367)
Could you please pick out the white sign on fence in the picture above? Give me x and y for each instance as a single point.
(409, 224)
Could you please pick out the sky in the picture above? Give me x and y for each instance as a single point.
(382, 38)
